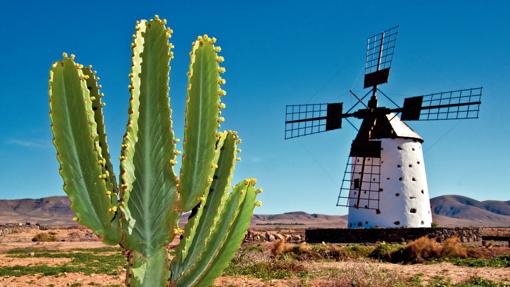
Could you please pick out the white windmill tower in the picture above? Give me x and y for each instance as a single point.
(384, 184)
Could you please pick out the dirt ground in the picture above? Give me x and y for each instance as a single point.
(80, 239)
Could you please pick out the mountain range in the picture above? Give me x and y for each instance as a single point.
(448, 210)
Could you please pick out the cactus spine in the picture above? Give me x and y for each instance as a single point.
(141, 212)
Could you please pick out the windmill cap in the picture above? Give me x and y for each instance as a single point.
(401, 129)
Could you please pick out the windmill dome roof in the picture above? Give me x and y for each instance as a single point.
(401, 129)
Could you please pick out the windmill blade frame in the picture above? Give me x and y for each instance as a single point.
(379, 56)
(306, 119)
(449, 105)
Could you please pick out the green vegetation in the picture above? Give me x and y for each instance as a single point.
(88, 261)
(498, 261)
(142, 211)
(473, 282)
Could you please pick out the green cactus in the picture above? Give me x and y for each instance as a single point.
(141, 213)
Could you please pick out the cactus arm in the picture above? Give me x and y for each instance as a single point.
(148, 183)
(215, 266)
(208, 214)
(92, 79)
(78, 145)
(193, 220)
(225, 240)
(201, 122)
(148, 271)
(216, 197)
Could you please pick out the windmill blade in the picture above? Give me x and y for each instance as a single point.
(379, 55)
(451, 105)
(302, 120)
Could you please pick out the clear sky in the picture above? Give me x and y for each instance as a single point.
(277, 53)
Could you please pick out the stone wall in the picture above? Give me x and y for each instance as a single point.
(259, 236)
(465, 234)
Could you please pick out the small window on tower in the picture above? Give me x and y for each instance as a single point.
(356, 183)
(396, 222)
(412, 210)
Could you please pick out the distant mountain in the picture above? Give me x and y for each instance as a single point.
(462, 209)
(54, 210)
(448, 210)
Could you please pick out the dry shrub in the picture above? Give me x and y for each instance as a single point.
(44, 237)
(279, 247)
(418, 251)
(424, 248)
(453, 248)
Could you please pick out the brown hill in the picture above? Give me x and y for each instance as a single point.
(448, 210)
(461, 209)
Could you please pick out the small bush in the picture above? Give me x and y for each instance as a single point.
(453, 248)
(44, 237)
(383, 251)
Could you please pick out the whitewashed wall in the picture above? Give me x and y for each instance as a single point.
(404, 199)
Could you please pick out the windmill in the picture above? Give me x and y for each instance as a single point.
(384, 183)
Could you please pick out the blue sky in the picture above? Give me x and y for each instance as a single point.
(277, 53)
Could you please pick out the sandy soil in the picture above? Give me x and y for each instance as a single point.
(70, 240)
(61, 281)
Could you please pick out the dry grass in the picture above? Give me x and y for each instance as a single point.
(426, 249)
(45, 237)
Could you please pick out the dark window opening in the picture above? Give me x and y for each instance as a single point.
(356, 183)
(396, 222)
(412, 210)
(359, 223)
(397, 194)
